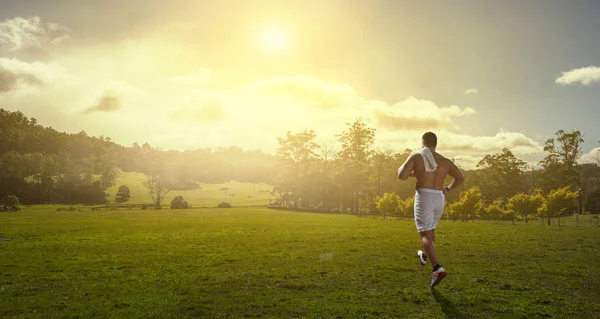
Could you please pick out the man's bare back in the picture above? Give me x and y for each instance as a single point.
(433, 180)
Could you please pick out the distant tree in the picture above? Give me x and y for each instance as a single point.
(525, 205)
(501, 175)
(388, 204)
(495, 211)
(406, 207)
(10, 203)
(123, 195)
(224, 205)
(593, 202)
(325, 180)
(469, 205)
(557, 202)
(296, 150)
(353, 158)
(109, 177)
(560, 165)
(380, 162)
(179, 203)
(156, 173)
(156, 190)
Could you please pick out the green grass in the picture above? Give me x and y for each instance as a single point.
(210, 195)
(234, 263)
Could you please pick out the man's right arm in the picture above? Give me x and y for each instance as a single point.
(455, 173)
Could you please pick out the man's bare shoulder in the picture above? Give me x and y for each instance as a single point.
(441, 158)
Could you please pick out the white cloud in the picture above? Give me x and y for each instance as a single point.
(470, 91)
(455, 144)
(31, 32)
(584, 76)
(15, 74)
(312, 92)
(592, 156)
(416, 114)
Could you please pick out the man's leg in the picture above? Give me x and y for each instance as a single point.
(428, 244)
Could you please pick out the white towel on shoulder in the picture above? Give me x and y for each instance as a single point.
(428, 159)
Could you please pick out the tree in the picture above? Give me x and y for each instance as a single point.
(388, 204)
(296, 150)
(381, 161)
(557, 202)
(469, 204)
(353, 159)
(156, 190)
(560, 165)
(406, 208)
(109, 177)
(156, 172)
(494, 211)
(593, 202)
(501, 175)
(525, 205)
(326, 152)
(224, 205)
(10, 203)
(123, 195)
(179, 203)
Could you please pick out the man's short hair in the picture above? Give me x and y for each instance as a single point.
(430, 139)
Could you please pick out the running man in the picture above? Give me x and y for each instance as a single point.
(430, 169)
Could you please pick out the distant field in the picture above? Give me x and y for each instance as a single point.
(218, 263)
(238, 194)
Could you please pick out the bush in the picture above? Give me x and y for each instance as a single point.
(224, 205)
(388, 204)
(179, 203)
(10, 203)
(123, 195)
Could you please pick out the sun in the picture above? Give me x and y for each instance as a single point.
(275, 41)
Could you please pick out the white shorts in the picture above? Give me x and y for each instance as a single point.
(429, 206)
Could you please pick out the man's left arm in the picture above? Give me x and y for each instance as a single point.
(407, 169)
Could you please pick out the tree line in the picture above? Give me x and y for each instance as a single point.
(360, 179)
(41, 165)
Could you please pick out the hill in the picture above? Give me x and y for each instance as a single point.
(209, 195)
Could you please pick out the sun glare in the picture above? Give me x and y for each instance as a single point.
(275, 41)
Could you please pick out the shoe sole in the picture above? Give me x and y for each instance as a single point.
(440, 277)
(421, 260)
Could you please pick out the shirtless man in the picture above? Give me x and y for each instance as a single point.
(429, 196)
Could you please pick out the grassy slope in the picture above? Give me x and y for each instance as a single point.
(246, 194)
(252, 262)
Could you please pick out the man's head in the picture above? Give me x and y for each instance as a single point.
(429, 140)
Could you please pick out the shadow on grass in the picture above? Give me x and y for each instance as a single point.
(448, 307)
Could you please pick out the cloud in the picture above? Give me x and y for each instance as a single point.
(25, 33)
(15, 74)
(106, 104)
(518, 142)
(416, 114)
(112, 96)
(584, 76)
(454, 144)
(592, 156)
(470, 91)
(309, 91)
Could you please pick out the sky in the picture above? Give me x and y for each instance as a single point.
(482, 75)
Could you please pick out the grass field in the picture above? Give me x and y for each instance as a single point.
(234, 263)
(210, 195)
